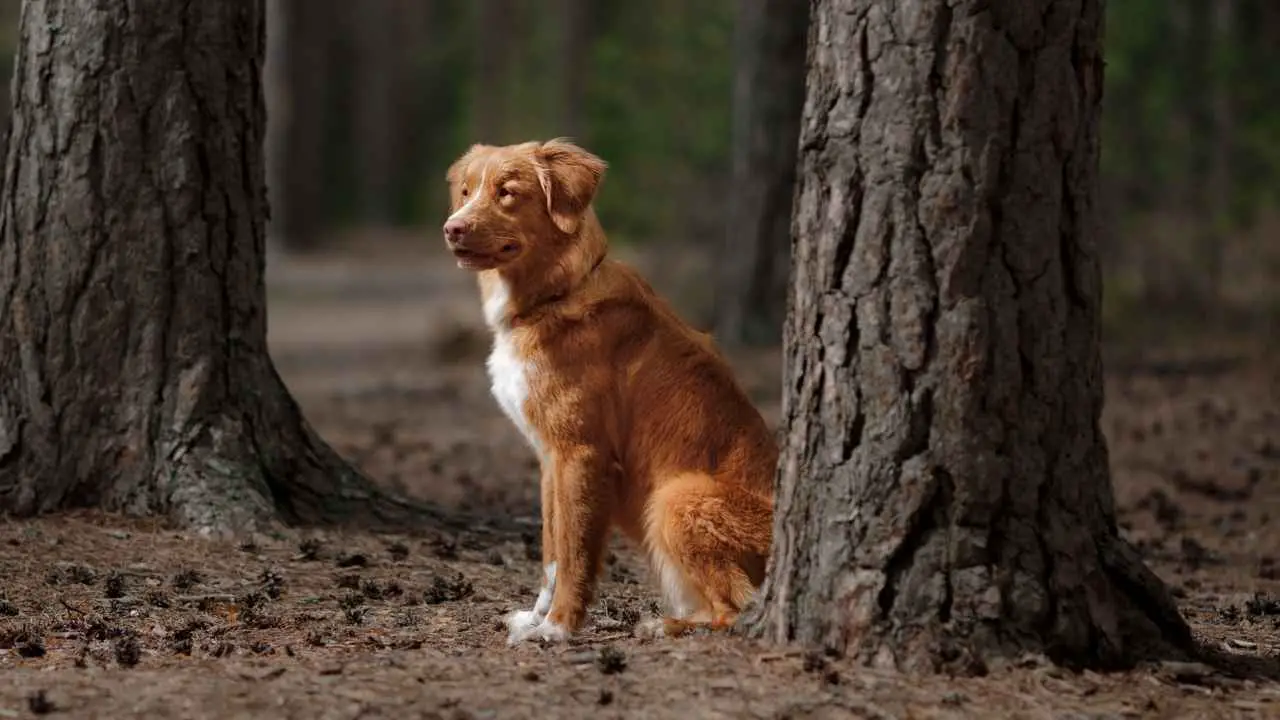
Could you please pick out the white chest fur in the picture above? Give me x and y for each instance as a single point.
(508, 372)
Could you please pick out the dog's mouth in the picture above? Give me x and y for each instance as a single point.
(472, 259)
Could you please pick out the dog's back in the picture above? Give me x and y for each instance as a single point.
(685, 411)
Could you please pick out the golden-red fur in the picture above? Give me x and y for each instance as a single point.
(637, 419)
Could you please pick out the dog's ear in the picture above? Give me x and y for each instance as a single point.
(459, 166)
(569, 177)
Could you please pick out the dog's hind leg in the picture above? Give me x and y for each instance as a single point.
(708, 543)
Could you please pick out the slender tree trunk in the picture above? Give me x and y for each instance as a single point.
(768, 94)
(943, 495)
(575, 55)
(297, 77)
(134, 372)
(275, 83)
(9, 10)
(1270, 23)
(421, 24)
(1223, 44)
(1192, 287)
(377, 89)
(493, 51)
(1173, 267)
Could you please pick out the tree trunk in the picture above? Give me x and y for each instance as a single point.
(1223, 44)
(9, 11)
(492, 46)
(1269, 26)
(377, 90)
(134, 373)
(297, 77)
(275, 84)
(1173, 264)
(943, 495)
(768, 94)
(575, 56)
(421, 25)
(1192, 290)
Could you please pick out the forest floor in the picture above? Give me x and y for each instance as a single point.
(104, 617)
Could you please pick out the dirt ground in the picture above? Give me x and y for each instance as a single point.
(104, 617)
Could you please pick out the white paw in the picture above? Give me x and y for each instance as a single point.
(523, 620)
(545, 632)
(650, 629)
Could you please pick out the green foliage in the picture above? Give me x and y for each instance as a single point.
(657, 106)
(658, 98)
(656, 103)
(436, 67)
(658, 111)
(1165, 66)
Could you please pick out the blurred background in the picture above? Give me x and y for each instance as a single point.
(695, 104)
(370, 101)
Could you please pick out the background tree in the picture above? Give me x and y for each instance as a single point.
(656, 100)
(768, 92)
(490, 114)
(298, 80)
(8, 31)
(377, 89)
(134, 372)
(1190, 170)
(275, 83)
(1221, 149)
(576, 30)
(944, 494)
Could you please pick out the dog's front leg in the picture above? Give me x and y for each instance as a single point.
(582, 495)
(521, 623)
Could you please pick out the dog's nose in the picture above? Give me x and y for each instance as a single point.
(455, 229)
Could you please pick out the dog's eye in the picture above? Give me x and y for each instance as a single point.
(465, 192)
(504, 193)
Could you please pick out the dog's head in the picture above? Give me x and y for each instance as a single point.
(514, 202)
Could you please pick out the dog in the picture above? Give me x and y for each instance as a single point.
(636, 418)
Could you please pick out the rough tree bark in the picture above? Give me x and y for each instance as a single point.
(134, 372)
(944, 495)
(298, 78)
(768, 93)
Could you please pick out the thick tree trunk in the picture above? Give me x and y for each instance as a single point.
(944, 495)
(768, 95)
(297, 77)
(134, 372)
